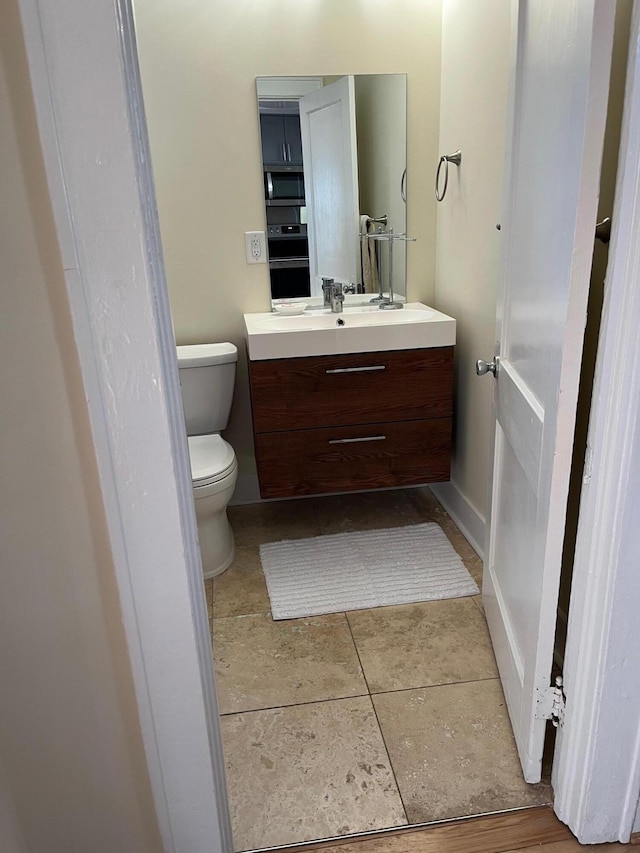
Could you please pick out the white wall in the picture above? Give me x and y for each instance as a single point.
(199, 62)
(73, 775)
(475, 66)
(11, 837)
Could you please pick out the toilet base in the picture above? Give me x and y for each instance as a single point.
(217, 547)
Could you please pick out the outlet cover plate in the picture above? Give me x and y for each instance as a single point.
(255, 247)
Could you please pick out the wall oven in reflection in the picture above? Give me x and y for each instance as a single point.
(290, 279)
(289, 261)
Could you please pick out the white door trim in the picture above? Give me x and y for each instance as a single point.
(597, 766)
(83, 64)
(89, 106)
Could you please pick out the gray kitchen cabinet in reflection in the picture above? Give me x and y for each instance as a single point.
(281, 141)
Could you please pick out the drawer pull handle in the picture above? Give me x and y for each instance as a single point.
(357, 369)
(356, 440)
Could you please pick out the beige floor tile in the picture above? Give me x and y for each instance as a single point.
(260, 663)
(418, 645)
(365, 511)
(427, 504)
(468, 556)
(308, 772)
(242, 589)
(430, 509)
(273, 521)
(453, 752)
(477, 600)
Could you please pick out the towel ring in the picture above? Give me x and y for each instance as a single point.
(403, 187)
(456, 159)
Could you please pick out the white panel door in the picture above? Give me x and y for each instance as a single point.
(329, 152)
(561, 76)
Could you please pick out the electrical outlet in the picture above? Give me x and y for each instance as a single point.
(255, 247)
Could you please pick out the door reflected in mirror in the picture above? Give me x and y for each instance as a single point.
(334, 171)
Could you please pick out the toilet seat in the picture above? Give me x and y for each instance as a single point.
(212, 459)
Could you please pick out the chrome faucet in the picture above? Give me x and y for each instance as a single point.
(337, 298)
(327, 291)
(333, 295)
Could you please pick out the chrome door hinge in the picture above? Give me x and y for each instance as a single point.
(551, 703)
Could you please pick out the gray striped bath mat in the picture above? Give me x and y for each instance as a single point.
(370, 568)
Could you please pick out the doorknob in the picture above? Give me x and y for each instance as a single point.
(483, 367)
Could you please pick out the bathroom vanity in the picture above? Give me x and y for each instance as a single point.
(363, 418)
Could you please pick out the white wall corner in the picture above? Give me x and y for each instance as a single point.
(468, 518)
(247, 490)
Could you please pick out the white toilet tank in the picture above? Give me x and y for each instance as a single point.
(207, 379)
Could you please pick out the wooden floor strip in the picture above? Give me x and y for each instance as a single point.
(574, 847)
(509, 832)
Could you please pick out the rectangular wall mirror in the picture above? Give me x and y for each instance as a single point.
(334, 158)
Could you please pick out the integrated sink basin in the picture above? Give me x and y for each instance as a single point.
(349, 317)
(357, 329)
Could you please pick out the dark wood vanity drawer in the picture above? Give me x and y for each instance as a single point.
(346, 458)
(302, 393)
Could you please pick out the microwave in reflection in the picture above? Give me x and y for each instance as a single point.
(284, 188)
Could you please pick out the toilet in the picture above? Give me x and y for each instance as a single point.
(207, 379)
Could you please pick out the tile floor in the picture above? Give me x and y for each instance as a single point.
(355, 721)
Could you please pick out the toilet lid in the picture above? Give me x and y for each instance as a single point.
(211, 458)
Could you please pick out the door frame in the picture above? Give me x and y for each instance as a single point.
(341, 92)
(596, 775)
(86, 87)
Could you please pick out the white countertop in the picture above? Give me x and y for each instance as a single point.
(356, 329)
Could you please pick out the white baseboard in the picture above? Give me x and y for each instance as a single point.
(463, 512)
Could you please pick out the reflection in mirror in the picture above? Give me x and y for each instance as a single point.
(334, 170)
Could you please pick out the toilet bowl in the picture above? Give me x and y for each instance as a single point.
(207, 375)
(214, 472)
